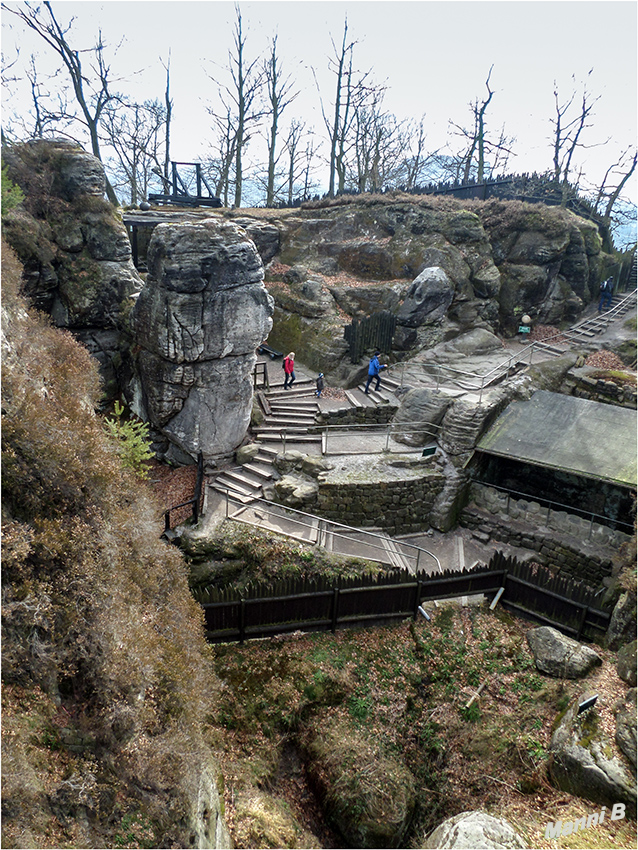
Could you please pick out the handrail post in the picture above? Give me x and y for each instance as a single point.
(387, 437)
(242, 620)
(335, 608)
(283, 438)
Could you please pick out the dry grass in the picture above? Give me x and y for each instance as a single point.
(404, 689)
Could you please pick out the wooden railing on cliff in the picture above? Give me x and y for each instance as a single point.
(528, 590)
(195, 502)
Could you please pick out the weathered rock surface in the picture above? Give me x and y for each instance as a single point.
(366, 794)
(558, 655)
(474, 831)
(583, 760)
(440, 268)
(626, 725)
(626, 663)
(198, 320)
(73, 246)
(622, 626)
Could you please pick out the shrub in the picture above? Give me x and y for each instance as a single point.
(131, 439)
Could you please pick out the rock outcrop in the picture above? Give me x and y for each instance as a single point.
(73, 246)
(197, 322)
(625, 737)
(561, 656)
(626, 663)
(477, 830)
(584, 761)
(442, 267)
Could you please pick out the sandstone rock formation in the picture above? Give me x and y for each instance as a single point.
(561, 656)
(73, 246)
(197, 322)
(476, 830)
(584, 762)
(625, 711)
(442, 267)
(366, 794)
(626, 663)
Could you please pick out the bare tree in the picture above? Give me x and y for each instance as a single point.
(240, 101)
(567, 133)
(168, 106)
(348, 94)
(136, 133)
(608, 202)
(91, 89)
(471, 161)
(219, 166)
(280, 95)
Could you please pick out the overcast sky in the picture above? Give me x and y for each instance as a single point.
(433, 56)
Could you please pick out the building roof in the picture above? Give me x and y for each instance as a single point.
(576, 435)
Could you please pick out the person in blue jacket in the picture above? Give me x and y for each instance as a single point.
(374, 369)
(606, 294)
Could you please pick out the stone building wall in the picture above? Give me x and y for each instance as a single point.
(598, 389)
(574, 544)
(381, 414)
(401, 506)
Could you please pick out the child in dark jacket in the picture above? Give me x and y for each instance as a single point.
(319, 384)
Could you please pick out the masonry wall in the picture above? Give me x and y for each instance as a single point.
(575, 545)
(596, 389)
(380, 414)
(398, 507)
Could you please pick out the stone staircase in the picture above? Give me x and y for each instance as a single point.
(590, 328)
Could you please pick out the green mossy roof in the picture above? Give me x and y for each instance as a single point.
(573, 434)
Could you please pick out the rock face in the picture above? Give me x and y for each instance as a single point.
(366, 794)
(626, 663)
(582, 760)
(560, 656)
(474, 831)
(626, 725)
(198, 320)
(440, 268)
(73, 246)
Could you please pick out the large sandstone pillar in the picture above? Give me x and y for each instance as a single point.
(197, 322)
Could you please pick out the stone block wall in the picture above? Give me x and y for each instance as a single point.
(566, 541)
(381, 414)
(597, 389)
(398, 507)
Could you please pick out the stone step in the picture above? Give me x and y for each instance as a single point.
(354, 401)
(241, 480)
(290, 438)
(264, 472)
(377, 397)
(240, 497)
(301, 419)
(294, 406)
(224, 482)
(278, 429)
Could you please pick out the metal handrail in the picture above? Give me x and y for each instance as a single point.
(328, 525)
(552, 505)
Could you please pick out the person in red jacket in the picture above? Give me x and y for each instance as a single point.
(289, 370)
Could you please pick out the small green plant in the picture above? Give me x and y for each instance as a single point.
(471, 713)
(12, 195)
(131, 439)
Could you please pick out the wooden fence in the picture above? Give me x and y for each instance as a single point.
(530, 591)
(195, 503)
(374, 332)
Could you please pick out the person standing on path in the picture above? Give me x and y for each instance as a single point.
(320, 384)
(289, 370)
(606, 294)
(374, 368)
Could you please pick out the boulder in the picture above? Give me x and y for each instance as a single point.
(245, 454)
(583, 760)
(474, 831)
(427, 300)
(558, 655)
(625, 711)
(423, 408)
(197, 323)
(367, 794)
(622, 625)
(296, 491)
(626, 663)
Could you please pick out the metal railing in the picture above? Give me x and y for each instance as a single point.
(318, 529)
(472, 381)
(551, 505)
(386, 431)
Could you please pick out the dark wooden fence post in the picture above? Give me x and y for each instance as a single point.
(242, 620)
(335, 608)
(417, 600)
